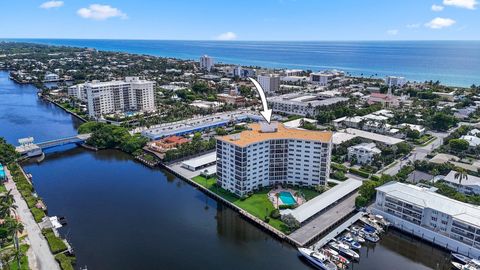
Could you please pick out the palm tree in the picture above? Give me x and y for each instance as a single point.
(14, 227)
(434, 173)
(277, 195)
(460, 175)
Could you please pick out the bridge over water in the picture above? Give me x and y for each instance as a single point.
(28, 148)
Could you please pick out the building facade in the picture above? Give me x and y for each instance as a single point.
(78, 91)
(364, 153)
(395, 81)
(420, 211)
(303, 104)
(132, 94)
(272, 154)
(206, 63)
(270, 83)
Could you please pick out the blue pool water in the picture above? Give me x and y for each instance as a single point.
(2, 172)
(287, 198)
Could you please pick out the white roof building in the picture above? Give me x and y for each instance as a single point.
(469, 185)
(387, 140)
(324, 200)
(473, 141)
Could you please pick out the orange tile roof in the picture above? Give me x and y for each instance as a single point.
(255, 135)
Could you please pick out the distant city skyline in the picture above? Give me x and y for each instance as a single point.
(289, 20)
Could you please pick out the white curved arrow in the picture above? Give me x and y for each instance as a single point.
(266, 113)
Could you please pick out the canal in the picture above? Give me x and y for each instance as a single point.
(123, 215)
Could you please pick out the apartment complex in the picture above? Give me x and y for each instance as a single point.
(270, 83)
(395, 81)
(131, 94)
(78, 91)
(206, 63)
(364, 153)
(267, 155)
(303, 104)
(447, 222)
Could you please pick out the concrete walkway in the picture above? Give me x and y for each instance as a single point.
(41, 258)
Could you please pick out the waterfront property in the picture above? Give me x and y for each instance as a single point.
(198, 163)
(271, 154)
(420, 211)
(285, 196)
(131, 94)
(197, 124)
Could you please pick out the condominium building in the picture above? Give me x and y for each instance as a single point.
(78, 91)
(363, 153)
(270, 83)
(303, 104)
(420, 211)
(267, 155)
(395, 81)
(206, 62)
(131, 94)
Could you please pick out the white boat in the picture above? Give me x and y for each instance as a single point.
(370, 236)
(469, 266)
(461, 258)
(350, 242)
(336, 256)
(344, 250)
(372, 223)
(317, 259)
(356, 236)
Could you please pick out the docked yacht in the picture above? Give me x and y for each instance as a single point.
(461, 258)
(472, 265)
(336, 256)
(317, 259)
(350, 242)
(344, 250)
(372, 237)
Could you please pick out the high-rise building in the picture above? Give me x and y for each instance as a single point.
(131, 94)
(420, 211)
(206, 62)
(395, 81)
(270, 83)
(270, 154)
(78, 91)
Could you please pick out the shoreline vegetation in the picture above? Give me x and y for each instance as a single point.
(38, 210)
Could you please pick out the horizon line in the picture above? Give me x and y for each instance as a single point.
(241, 40)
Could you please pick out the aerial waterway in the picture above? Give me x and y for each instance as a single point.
(123, 215)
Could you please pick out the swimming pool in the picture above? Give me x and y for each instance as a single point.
(2, 172)
(287, 198)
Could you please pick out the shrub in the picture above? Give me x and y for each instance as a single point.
(374, 177)
(359, 172)
(361, 201)
(266, 219)
(55, 243)
(275, 214)
(38, 214)
(66, 262)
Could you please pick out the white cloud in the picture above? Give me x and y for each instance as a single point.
(437, 8)
(392, 32)
(439, 23)
(413, 25)
(51, 4)
(468, 4)
(100, 12)
(227, 36)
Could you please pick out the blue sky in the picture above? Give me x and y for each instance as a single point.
(242, 20)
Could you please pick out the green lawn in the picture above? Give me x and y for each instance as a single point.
(308, 193)
(3, 189)
(257, 204)
(66, 262)
(55, 243)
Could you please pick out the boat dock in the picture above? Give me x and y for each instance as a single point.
(322, 242)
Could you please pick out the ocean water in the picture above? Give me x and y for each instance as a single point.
(455, 63)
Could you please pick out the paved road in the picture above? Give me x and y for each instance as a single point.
(42, 257)
(419, 152)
